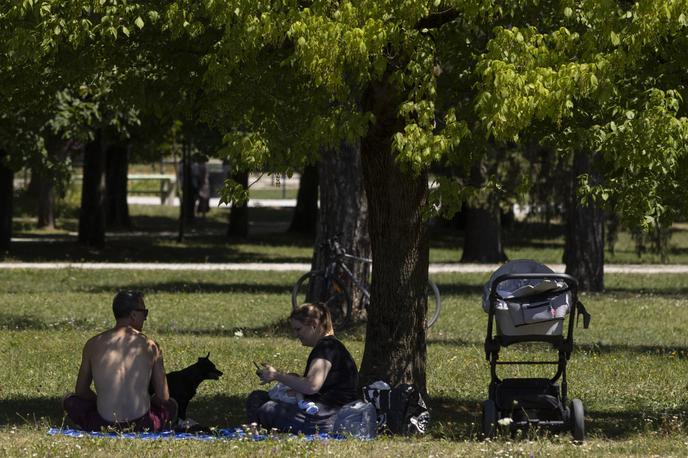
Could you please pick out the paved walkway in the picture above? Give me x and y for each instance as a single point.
(214, 202)
(303, 267)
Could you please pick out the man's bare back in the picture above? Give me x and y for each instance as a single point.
(121, 362)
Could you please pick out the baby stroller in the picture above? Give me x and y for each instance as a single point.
(528, 302)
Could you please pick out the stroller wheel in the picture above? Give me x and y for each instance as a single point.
(489, 419)
(577, 420)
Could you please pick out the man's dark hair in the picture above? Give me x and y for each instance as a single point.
(125, 302)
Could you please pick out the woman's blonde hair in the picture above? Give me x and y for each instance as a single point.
(313, 314)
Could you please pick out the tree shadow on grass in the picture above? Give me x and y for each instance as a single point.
(453, 419)
(668, 291)
(28, 322)
(23, 411)
(141, 250)
(627, 423)
(20, 322)
(675, 351)
(459, 419)
(215, 410)
(219, 410)
(195, 287)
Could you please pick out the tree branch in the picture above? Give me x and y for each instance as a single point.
(436, 20)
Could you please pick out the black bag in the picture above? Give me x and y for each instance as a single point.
(378, 395)
(408, 415)
(400, 410)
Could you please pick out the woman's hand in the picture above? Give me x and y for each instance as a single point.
(267, 374)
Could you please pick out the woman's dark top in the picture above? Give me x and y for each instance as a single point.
(341, 382)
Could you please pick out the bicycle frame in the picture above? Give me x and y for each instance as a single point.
(336, 271)
(331, 270)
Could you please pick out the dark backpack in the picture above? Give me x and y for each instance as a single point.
(400, 410)
(408, 414)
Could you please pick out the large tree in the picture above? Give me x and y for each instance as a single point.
(359, 72)
(607, 80)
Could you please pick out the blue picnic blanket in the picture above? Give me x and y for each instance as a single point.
(219, 434)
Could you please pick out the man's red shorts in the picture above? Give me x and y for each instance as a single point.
(85, 414)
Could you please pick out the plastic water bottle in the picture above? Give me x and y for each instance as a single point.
(310, 407)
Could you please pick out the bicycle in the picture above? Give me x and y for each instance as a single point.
(334, 292)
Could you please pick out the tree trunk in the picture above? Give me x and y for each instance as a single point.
(395, 346)
(483, 236)
(116, 171)
(344, 214)
(305, 219)
(188, 202)
(46, 203)
(6, 197)
(92, 213)
(584, 246)
(41, 188)
(238, 215)
(483, 231)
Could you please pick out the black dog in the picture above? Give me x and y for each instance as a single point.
(184, 383)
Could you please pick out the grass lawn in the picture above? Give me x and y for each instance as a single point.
(629, 368)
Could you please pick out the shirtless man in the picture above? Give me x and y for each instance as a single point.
(122, 362)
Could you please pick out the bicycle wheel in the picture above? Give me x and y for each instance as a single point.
(434, 304)
(334, 295)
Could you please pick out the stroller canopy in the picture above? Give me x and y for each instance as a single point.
(528, 306)
(509, 287)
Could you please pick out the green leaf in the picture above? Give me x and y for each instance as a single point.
(125, 30)
(139, 22)
(616, 41)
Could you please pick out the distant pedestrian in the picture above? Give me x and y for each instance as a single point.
(200, 177)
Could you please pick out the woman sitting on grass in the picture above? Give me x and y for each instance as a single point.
(330, 379)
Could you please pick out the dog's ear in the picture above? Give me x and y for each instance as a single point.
(208, 355)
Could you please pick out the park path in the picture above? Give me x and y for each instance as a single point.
(214, 202)
(302, 267)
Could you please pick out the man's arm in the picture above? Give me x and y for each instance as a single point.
(158, 377)
(85, 376)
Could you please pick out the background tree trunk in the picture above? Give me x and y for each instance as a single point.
(238, 215)
(305, 219)
(482, 236)
(395, 346)
(92, 213)
(6, 197)
(344, 214)
(46, 202)
(42, 185)
(116, 172)
(584, 246)
(483, 229)
(188, 201)
(39, 192)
